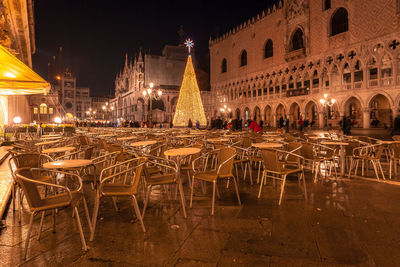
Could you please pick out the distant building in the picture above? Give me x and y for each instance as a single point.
(166, 72)
(282, 61)
(101, 104)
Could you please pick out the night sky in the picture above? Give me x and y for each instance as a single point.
(96, 34)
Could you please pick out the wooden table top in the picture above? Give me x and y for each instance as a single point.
(185, 151)
(50, 138)
(185, 136)
(70, 163)
(58, 149)
(126, 138)
(46, 143)
(144, 143)
(267, 145)
(216, 140)
(334, 143)
(107, 135)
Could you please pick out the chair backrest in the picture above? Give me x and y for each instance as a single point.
(396, 137)
(103, 144)
(396, 149)
(29, 188)
(128, 172)
(88, 152)
(271, 160)
(307, 150)
(350, 147)
(223, 155)
(83, 140)
(246, 141)
(294, 147)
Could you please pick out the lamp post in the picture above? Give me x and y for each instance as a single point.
(150, 95)
(107, 109)
(225, 110)
(326, 102)
(91, 113)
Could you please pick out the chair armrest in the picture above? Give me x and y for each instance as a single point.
(225, 162)
(46, 184)
(78, 178)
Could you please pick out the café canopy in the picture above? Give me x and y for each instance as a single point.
(16, 78)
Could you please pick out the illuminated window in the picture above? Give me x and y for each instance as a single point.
(35, 110)
(43, 109)
(50, 110)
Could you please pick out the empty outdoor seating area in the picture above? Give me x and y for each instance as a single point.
(198, 196)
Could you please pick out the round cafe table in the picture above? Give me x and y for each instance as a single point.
(66, 164)
(217, 140)
(179, 153)
(58, 149)
(341, 153)
(48, 138)
(267, 145)
(144, 143)
(127, 138)
(107, 135)
(185, 136)
(46, 143)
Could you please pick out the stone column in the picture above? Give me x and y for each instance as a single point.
(366, 117)
(274, 124)
(321, 119)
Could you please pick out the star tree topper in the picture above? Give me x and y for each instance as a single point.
(189, 44)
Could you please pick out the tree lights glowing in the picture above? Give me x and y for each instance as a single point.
(189, 104)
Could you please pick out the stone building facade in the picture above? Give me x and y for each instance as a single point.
(17, 35)
(166, 72)
(283, 60)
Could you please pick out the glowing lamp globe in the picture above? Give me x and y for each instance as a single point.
(57, 120)
(17, 119)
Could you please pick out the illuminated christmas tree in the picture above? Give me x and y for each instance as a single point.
(189, 104)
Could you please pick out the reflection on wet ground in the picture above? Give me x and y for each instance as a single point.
(344, 222)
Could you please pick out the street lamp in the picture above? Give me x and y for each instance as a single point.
(225, 110)
(326, 102)
(151, 95)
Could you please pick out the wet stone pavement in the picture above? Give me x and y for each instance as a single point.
(343, 223)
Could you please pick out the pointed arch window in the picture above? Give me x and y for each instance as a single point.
(269, 49)
(339, 21)
(223, 66)
(297, 40)
(243, 58)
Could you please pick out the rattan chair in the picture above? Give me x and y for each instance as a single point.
(27, 160)
(277, 170)
(167, 175)
(370, 153)
(65, 197)
(120, 180)
(223, 170)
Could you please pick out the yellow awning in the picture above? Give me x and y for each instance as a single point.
(16, 78)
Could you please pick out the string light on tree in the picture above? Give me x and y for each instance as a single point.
(189, 105)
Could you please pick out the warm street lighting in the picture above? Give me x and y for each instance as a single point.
(326, 102)
(17, 119)
(58, 78)
(104, 107)
(150, 94)
(57, 120)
